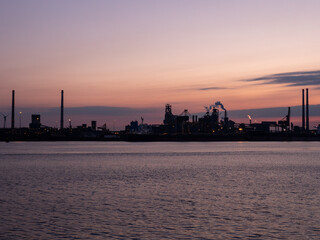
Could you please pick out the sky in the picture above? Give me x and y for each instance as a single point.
(120, 60)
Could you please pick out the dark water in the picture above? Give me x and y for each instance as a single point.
(110, 190)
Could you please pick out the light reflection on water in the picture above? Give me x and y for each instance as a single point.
(118, 190)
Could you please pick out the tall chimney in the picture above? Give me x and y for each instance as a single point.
(61, 114)
(303, 118)
(12, 111)
(288, 118)
(307, 109)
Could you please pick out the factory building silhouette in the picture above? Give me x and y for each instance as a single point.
(35, 121)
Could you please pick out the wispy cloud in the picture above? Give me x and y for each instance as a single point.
(307, 78)
(199, 88)
(88, 110)
(212, 88)
(106, 110)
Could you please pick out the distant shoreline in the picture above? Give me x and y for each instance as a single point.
(173, 138)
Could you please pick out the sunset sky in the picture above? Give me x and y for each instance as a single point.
(135, 56)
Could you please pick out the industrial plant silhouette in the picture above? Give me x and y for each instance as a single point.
(182, 127)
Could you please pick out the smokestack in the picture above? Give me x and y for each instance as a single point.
(288, 118)
(307, 109)
(61, 114)
(12, 111)
(303, 118)
(249, 118)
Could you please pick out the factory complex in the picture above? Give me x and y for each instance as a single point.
(182, 127)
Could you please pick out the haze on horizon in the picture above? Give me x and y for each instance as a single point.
(143, 54)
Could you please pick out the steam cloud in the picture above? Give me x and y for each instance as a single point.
(220, 104)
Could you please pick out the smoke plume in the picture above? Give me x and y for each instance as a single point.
(221, 105)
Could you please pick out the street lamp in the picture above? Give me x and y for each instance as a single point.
(20, 118)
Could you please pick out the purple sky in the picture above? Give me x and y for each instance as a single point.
(144, 54)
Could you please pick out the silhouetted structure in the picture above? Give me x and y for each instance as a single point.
(169, 118)
(209, 123)
(61, 114)
(303, 116)
(35, 121)
(12, 111)
(94, 125)
(307, 109)
(285, 123)
(174, 128)
(4, 120)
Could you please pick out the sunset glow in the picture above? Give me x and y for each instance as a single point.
(144, 54)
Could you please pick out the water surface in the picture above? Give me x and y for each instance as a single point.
(119, 190)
